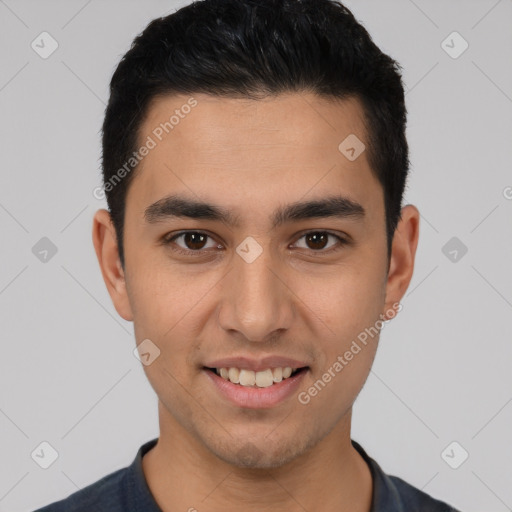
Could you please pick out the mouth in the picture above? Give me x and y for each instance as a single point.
(255, 390)
(261, 379)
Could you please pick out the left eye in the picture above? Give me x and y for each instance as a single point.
(194, 241)
(319, 239)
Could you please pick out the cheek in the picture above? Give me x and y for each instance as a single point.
(343, 368)
(163, 295)
(347, 302)
(348, 306)
(170, 310)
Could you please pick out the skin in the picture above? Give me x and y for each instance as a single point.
(250, 157)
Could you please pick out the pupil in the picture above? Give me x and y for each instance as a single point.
(192, 238)
(315, 237)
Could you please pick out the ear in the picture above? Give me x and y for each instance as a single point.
(403, 252)
(105, 244)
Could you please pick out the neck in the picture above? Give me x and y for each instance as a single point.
(183, 474)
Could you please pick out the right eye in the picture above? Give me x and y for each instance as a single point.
(194, 242)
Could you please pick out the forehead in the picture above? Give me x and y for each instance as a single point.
(280, 148)
(304, 120)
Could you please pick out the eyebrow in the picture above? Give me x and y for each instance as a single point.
(176, 206)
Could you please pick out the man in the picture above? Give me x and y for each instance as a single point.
(254, 160)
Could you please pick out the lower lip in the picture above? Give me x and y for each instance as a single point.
(256, 398)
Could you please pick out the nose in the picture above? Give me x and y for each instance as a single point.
(256, 299)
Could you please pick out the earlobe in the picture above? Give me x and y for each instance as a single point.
(105, 245)
(405, 243)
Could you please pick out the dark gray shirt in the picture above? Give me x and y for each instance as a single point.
(126, 490)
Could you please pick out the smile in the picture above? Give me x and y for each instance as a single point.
(261, 379)
(255, 390)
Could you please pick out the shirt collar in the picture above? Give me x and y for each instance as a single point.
(385, 495)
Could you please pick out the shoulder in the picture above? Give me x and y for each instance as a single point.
(414, 499)
(105, 494)
(392, 494)
(123, 490)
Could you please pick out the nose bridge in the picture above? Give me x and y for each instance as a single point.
(257, 302)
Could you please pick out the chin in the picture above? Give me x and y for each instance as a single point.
(261, 453)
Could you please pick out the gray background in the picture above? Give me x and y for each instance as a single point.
(442, 373)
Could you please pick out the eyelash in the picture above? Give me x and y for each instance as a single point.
(168, 241)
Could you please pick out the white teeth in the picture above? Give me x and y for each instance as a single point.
(264, 379)
(249, 378)
(287, 372)
(234, 375)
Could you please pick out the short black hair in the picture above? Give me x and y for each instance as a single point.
(253, 49)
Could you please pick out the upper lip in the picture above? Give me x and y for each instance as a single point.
(256, 365)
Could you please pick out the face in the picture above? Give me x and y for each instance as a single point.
(236, 271)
